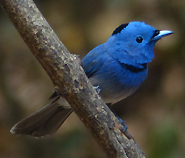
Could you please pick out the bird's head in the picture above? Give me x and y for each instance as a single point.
(133, 43)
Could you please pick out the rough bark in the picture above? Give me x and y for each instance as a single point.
(69, 78)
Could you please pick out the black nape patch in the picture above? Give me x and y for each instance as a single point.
(119, 28)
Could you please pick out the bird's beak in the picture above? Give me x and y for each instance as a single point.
(161, 34)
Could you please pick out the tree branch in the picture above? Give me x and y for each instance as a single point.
(68, 76)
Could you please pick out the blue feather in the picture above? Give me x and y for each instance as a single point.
(120, 65)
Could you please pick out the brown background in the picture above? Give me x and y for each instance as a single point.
(155, 114)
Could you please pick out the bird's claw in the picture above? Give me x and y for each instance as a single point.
(97, 88)
(123, 123)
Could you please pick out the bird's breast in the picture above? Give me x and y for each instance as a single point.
(117, 82)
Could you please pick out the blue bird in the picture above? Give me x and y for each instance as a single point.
(116, 69)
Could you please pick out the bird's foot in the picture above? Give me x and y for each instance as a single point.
(123, 123)
(97, 88)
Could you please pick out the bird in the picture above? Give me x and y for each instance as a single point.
(115, 68)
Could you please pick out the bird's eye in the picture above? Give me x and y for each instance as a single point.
(139, 39)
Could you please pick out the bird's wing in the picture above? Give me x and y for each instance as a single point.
(93, 61)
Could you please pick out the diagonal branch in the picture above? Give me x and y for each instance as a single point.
(68, 76)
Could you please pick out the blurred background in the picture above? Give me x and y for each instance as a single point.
(155, 114)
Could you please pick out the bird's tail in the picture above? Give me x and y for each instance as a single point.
(44, 122)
